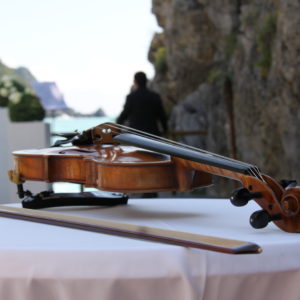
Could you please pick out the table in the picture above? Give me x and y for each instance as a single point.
(40, 261)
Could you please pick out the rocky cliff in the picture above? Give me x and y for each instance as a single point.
(232, 68)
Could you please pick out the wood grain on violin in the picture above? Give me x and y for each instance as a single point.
(108, 167)
(117, 158)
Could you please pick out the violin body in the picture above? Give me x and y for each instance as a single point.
(115, 158)
(110, 168)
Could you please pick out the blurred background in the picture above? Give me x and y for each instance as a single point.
(227, 71)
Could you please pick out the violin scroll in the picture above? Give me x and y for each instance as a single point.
(280, 203)
(290, 201)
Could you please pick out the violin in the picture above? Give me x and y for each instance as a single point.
(116, 158)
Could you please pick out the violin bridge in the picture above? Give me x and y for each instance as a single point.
(104, 134)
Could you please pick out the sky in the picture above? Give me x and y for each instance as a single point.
(90, 48)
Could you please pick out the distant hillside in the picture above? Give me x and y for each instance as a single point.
(25, 74)
(25, 77)
(21, 74)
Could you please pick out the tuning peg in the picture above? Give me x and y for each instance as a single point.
(286, 183)
(261, 218)
(241, 196)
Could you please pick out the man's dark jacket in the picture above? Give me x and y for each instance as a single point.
(143, 110)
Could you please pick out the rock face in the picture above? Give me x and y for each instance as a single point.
(232, 68)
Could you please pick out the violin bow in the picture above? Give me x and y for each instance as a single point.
(282, 206)
(171, 237)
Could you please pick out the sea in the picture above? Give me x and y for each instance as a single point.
(70, 124)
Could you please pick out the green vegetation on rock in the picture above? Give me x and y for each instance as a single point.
(252, 16)
(218, 75)
(264, 39)
(230, 43)
(160, 60)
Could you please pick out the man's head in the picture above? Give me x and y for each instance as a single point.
(140, 79)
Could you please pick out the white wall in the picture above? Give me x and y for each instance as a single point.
(18, 136)
(4, 156)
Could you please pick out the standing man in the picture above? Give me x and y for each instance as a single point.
(143, 108)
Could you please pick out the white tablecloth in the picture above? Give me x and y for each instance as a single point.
(41, 262)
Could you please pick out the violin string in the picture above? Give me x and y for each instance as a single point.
(253, 170)
(153, 137)
(259, 174)
(253, 173)
(124, 129)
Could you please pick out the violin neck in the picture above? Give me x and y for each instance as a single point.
(202, 160)
(210, 162)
